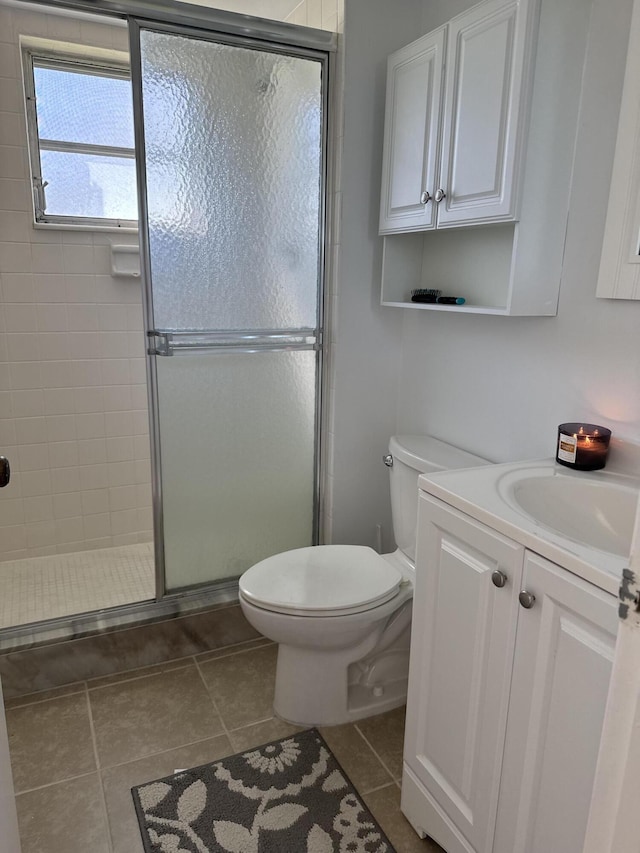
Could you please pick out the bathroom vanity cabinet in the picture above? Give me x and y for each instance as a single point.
(9, 840)
(510, 665)
(480, 124)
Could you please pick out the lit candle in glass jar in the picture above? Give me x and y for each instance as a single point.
(583, 446)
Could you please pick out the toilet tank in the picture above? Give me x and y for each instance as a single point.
(414, 455)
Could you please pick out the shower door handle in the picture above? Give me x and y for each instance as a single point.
(5, 472)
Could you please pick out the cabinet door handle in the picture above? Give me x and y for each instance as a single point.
(498, 578)
(527, 599)
(425, 198)
(440, 194)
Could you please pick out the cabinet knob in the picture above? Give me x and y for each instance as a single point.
(440, 194)
(527, 599)
(425, 197)
(499, 578)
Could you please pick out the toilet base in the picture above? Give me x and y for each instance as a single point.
(364, 705)
(317, 689)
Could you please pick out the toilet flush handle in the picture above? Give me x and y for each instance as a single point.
(388, 460)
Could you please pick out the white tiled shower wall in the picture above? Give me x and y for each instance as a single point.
(73, 412)
(73, 405)
(322, 14)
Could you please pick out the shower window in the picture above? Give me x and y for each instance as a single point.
(80, 119)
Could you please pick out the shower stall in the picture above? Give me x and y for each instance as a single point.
(230, 121)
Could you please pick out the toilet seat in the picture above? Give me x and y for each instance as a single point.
(323, 580)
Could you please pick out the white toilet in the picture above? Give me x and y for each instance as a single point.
(341, 614)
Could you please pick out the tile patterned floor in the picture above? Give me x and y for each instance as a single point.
(78, 750)
(38, 588)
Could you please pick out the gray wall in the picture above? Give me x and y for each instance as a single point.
(367, 338)
(497, 386)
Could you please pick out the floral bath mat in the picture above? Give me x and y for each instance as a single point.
(289, 796)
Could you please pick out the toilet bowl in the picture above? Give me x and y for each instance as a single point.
(341, 614)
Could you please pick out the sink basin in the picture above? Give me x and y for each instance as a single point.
(594, 510)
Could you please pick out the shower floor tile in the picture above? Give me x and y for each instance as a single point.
(149, 723)
(40, 588)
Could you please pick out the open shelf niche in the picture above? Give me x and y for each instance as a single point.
(471, 262)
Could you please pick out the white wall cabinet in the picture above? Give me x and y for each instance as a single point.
(457, 165)
(480, 126)
(505, 702)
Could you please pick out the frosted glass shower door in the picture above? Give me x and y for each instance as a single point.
(232, 142)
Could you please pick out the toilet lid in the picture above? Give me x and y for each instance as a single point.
(321, 580)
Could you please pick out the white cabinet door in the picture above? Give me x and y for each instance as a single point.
(461, 655)
(9, 841)
(564, 652)
(485, 103)
(412, 125)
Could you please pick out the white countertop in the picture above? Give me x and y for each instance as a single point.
(482, 494)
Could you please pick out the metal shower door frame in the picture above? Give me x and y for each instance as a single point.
(166, 342)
